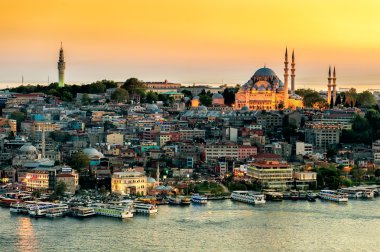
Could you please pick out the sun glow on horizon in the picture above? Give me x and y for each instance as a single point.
(190, 41)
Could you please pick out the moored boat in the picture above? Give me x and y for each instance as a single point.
(185, 201)
(146, 208)
(17, 208)
(199, 199)
(82, 212)
(333, 196)
(272, 195)
(248, 197)
(115, 211)
(175, 201)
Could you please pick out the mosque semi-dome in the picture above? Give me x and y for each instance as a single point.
(28, 148)
(202, 108)
(217, 96)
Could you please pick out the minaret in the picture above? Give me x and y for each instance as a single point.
(334, 87)
(43, 143)
(286, 75)
(329, 87)
(61, 68)
(293, 70)
(158, 172)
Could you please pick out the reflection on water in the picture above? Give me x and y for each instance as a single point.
(26, 238)
(217, 226)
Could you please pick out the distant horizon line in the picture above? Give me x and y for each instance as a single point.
(310, 85)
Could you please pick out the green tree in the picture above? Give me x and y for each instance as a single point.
(36, 194)
(97, 88)
(67, 96)
(151, 97)
(187, 93)
(134, 86)
(366, 99)
(85, 100)
(328, 177)
(60, 189)
(351, 97)
(229, 96)
(311, 98)
(120, 95)
(205, 100)
(60, 136)
(79, 161)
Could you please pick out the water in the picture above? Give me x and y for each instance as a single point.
(218, 226)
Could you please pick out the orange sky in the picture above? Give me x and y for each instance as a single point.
(190, 41)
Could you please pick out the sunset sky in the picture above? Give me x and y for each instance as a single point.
(194, 41)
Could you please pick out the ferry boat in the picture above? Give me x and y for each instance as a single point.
(197, 198)
(248, 197)
(41, 209)
(333, 196)
(175, 201)
(17, 208)
(82, 212)
(146, 208)
(55, 212)
(272, 195)
(185, 201)
(115, 211)
(358, 192)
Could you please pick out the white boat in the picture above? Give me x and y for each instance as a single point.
(41, 209)
(55, 212)
(146, 208)
(82, 212)
(358, 192)
(197, 198)
(333, 196)
(248, 197)
(17, 207)
(115, 211)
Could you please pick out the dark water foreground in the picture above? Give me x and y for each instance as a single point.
(218, 226)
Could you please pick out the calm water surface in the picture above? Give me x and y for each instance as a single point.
(218, 226)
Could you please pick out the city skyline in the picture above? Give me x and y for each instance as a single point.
(196, 42)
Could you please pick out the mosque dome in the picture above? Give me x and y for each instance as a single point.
(93, 153)
(264, 72)
(202, 108)
(28, 149)
(196, 97)
(150, 180)
(152, 107)
(245, 108)
(217, 96)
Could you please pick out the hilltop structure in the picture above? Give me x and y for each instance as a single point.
(61, 68)
(331, 94)
(266, 91)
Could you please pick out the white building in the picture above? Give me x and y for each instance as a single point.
(303, 148)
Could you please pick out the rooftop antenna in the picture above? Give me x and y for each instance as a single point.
(48, 80)
(22, 80)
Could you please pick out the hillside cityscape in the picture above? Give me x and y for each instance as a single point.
(198, 126)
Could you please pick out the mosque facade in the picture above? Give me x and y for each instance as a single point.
(265, 90)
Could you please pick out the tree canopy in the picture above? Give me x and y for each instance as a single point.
(120, 95)
(134, 86)
(366, 99)
(312, 98)
(79, 161)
